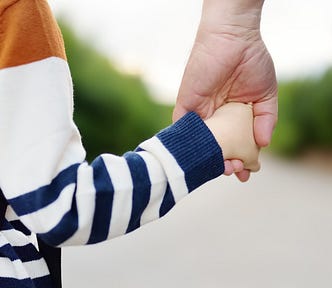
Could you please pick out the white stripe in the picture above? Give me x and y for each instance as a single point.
(37, 268)
(12, 269)
(3, 240)
(175, 174)
(23, 270)
(15, 238)
(158, 187)
(36, 121)
(33, 240)
(119, 172)
(85, 199)
(47, 218)
(10, 214)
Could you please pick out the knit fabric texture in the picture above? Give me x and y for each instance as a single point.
(50, 189)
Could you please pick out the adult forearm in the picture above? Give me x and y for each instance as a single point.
(218, 15)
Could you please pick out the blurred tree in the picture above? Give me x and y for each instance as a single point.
(305, 115)
(113, 110)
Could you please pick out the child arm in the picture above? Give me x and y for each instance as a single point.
(43, 172)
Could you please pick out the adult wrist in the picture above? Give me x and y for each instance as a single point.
(233, 17)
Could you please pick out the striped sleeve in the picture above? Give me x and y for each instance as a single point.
(43, 172)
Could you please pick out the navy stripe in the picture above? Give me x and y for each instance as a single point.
(141, 190)
(7, 251)
(23, 283)
(103, 202)
(209, 169)
(3, 208)
(6, 226)
(65, 228)
(18, 225)
(40, 198)
(43, 282)
(24, 253)
(27, 253)
(194, 148)
(168, 201)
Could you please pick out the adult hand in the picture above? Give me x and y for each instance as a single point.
(230, 63)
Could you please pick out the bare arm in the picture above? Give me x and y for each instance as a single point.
(230, 63)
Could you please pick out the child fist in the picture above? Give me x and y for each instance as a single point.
(232, 126)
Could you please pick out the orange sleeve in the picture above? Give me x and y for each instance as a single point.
(28, 33)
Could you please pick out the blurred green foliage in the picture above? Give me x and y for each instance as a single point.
(305, 116)
(113, 110)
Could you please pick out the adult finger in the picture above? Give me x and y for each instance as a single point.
(265, 119)
(178, 112)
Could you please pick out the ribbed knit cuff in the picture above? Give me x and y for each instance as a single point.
(195, 149)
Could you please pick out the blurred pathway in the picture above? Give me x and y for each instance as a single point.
(273, 232)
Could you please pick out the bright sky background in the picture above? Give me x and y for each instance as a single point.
(153, 38)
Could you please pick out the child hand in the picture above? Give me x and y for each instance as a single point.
(232, 126)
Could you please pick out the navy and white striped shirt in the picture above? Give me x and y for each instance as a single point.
(50, 189)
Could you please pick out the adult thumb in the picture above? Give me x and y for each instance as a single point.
(265, 120)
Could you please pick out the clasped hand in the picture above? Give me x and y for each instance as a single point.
(231, 66)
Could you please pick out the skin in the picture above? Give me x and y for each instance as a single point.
(229, 62)
(232, 126)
